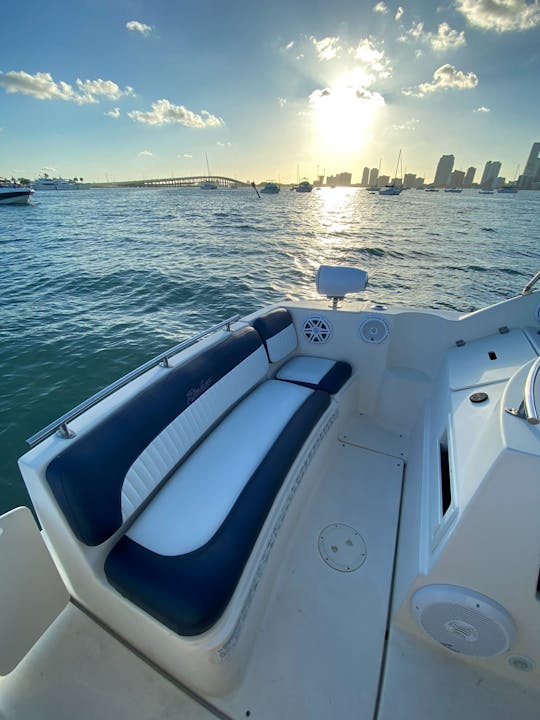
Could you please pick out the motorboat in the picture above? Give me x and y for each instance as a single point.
(45, 182)
(431, 188)
(486, 192)
(13, 193)
(453, 190)
(326, 508)
(304, 187)
(270, 188)
(507, 190)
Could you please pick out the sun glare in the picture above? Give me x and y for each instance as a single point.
(343, 116)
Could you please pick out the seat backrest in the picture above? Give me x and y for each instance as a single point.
(104, 475)
(277, 332)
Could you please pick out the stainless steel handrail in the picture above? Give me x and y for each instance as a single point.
(529, 286)
(531, 413)
(61, 424)
(527, 408)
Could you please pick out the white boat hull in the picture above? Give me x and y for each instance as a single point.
(15, 196)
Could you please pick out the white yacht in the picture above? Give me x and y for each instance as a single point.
(13, 193)
(304, 187)
(324, 509)
(45, 182)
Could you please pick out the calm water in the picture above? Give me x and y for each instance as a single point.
(95, 282)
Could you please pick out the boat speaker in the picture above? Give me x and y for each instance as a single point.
(317, 330)
(374, 330)
(463, 620)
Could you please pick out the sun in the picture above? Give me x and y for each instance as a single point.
(343, 116)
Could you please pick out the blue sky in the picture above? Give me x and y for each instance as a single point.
(126, 89)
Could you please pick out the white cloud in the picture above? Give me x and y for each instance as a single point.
(327, 48)
(139, 27)
(186, 155)
(399, 13)
(282, 101)
(380, 7)
(408, 125)
(444, 39)
(224, 144)
(372, 62)
(501, 15)
(164, 112)
(114, 113)
(482, 109)
(145, 153)
(444, 78)
(43, 87)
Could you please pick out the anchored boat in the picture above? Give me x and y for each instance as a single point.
(13, 193)
(323, 509)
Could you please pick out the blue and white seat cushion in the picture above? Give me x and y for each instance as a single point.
(104, 475)
(182, 558)
(278, 334)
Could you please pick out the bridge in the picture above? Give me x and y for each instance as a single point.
(193, 181)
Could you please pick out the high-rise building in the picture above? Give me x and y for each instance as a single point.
(409, 180)
(457, 178)
(444, 169)
(531, 174)
(491, 171)
(341, 179)
(469, 177)
(365, 176)
(373, 177)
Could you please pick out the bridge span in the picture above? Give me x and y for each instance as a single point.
(193, 181)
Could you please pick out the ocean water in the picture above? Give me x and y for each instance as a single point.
(95, 282)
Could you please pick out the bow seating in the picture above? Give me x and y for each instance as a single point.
(184, 474)
(278, 334)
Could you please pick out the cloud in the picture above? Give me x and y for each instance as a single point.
(224, 144)
(482, 109)
(399, 13)
(164, 112)
(345, 95)
(43, 87)
(282, 101)
(139, 27)
(501, 15)
(408, 125)
(327, 48)
(380, 7)
(444, 39)
(145, 153)
(444, 78)
(372, 63)
(186, 155)
(114, 113)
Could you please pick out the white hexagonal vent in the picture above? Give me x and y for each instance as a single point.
(317, 330)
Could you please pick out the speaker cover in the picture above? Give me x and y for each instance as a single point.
(463, 620)
(374, 330)
(317, 330)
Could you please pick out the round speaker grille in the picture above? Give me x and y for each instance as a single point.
(374, 330)
(463, 620)
(317, 330)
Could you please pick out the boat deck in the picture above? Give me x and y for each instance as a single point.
(320, 646)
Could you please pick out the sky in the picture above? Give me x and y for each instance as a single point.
(129, 89)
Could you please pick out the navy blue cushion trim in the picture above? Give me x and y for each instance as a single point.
(86, 478)
(188, 593)
(333, 381)
(272, 323)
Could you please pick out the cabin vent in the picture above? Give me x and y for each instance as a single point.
(317, 330)
(374, 330)
(446, 485)
(463, 620)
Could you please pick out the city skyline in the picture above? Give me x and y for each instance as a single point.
(129, 90)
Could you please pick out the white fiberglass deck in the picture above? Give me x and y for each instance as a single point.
(320, 645)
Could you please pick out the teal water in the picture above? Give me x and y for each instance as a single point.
(95, 282)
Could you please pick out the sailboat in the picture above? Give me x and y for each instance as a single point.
(391, 188)
(208, 184)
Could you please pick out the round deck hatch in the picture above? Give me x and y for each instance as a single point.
(342, 547)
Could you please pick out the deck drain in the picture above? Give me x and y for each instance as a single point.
(342, 547)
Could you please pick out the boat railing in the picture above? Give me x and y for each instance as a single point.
(527, 408)
(529, 286)
(60, 425)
